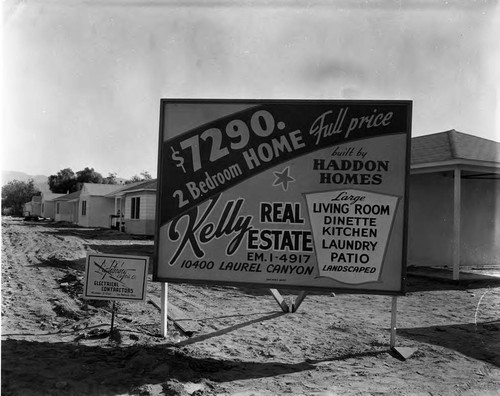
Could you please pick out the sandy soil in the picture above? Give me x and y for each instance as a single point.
(55, 343)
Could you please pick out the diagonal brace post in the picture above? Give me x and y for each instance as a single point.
(280, 300)
(298, 301)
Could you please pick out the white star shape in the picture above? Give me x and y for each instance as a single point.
(283, 178)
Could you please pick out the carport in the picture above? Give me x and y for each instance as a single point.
(454, 211)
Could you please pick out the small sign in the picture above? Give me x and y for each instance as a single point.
(113, 277)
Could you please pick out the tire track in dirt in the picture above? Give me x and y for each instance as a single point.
(30, 293)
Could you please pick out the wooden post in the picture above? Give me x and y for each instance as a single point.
(457, 203)
(298, 300)
(280, 300)
(164, 303)
(393, 321)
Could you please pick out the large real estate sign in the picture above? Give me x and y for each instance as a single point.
(284, 193)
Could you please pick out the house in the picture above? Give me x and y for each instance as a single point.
(95, 208)
(33, 207)
(48, 206)
(67, 207)
(454, 205)
(136, 206)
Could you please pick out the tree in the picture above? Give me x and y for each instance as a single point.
(111, 178)
(65, 181)
(16, 193)
(89, 175)
(145, 176)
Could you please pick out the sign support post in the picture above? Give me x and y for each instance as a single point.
(393, 321)
(280, 300)
(298, 300)
(295, 303)
(401, 352)
(113, 310)
(164, 311)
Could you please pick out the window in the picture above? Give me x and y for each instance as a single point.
(135, 208)
(58, 206)
(84, 208)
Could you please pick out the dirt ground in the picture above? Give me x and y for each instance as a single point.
(55, 343)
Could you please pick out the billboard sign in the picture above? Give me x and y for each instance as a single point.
(284, 193)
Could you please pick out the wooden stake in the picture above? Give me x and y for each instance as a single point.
(112, 318)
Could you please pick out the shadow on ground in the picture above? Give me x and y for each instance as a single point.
(38, 368)
(483, 339)
(54, 262)
(416, 283)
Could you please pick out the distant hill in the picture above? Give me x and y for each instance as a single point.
(39, 180)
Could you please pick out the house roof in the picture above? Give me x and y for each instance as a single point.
(123, 187)
(49, 196)
(36, 198)
(100, 189)
(146, 185)
(453, 145)
(68, 197)
(150, 185)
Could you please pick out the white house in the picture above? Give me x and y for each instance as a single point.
(95, 208)
(67, 207)
(136, 205)
(48, 206)
(33, 207)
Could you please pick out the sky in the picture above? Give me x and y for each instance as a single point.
(82, 80)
